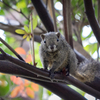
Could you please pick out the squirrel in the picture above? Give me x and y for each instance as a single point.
(56, 54)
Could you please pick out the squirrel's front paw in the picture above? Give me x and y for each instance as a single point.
(51, 74)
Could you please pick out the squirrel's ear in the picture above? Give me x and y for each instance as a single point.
(42, 36)
(58, 34)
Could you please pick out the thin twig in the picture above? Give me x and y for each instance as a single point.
(24, 15)
(10, 48)
(15, 9)
(33, 51)
(54, 17)
(44, 31)
(16, 18)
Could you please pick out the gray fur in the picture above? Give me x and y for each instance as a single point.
(59, 58)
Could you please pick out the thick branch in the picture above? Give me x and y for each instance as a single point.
(60, 89)
(43, 14)
(92, 19)
(69, 25)
(57, 77)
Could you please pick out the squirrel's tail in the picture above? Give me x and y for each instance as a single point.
(88, 70)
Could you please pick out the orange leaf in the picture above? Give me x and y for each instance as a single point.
(30, 92)
(15, 92)
(26, 83)
(16, 80)
(29, 58)
(34, 86)
(20, 50)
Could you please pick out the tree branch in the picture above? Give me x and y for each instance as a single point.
(92, 19)
(43, 14)
(59, 89)
(57, 77)
(69, 25)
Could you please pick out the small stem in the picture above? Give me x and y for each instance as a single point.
(65, 8)
(30, 44)
(15, 9)
(33, 51)
(15, 18)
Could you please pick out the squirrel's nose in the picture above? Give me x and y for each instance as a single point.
(52, 47)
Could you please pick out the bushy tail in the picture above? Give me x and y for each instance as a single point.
(88, 70)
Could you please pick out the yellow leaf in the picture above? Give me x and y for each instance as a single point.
(20, 50)
(30, 92)
(20, 31)
(25, 36)
(28, 38)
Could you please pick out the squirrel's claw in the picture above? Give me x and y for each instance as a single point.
(51, 75)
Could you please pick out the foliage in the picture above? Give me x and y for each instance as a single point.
(24, 88)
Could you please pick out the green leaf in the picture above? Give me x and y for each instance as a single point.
(2, 12)
(91, 48)
(21, 4)
(76, 89)
(4, 88)
(26, 28)
(49, 92)
(20, 31)
(83, 38)
(34, 23)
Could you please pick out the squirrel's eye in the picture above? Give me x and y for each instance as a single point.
(57, 40)
(44, 41)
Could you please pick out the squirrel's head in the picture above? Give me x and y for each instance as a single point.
(51, 41)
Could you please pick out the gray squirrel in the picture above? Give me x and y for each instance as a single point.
(56, 54)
